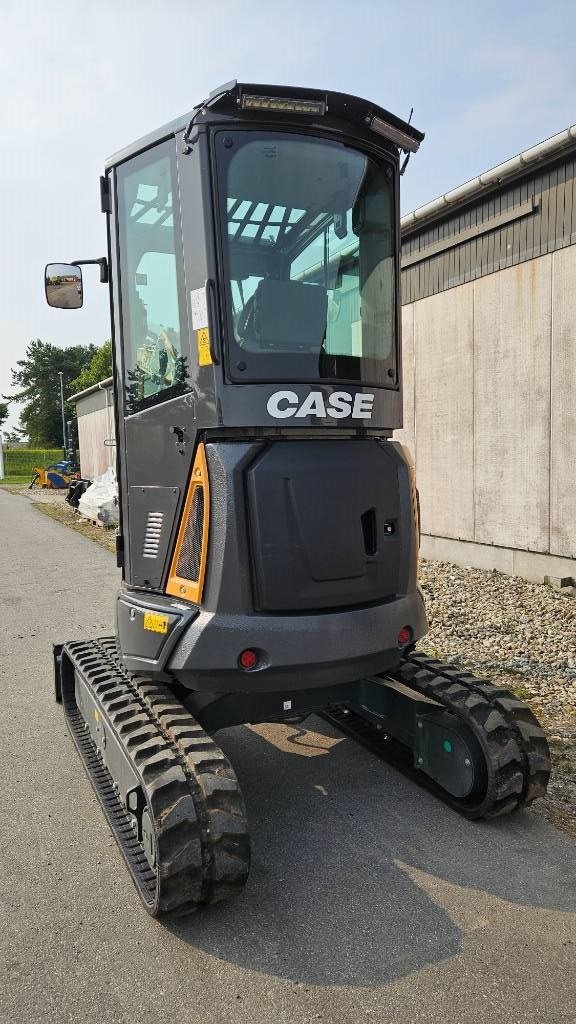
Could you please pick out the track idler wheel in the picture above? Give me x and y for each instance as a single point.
(514, 747)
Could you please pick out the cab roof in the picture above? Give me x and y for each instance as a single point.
(290, 101)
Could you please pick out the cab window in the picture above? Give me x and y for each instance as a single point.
(150, 280)
(308, 229)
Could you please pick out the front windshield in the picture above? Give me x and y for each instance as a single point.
(309, 254)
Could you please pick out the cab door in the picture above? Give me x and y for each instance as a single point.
(153, 359)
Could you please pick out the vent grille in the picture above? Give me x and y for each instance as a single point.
(188, 567)
(152, 535)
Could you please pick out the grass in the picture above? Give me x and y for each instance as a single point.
(15, 480)
(68, 517)
(520, 691)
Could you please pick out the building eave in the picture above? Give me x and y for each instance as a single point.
(103, 385)
(488, 180)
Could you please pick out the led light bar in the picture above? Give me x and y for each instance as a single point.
(406, 142)
(283, 105)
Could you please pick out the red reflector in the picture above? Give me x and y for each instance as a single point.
(404, 636)
(248, 659)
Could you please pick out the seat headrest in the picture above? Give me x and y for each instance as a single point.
(290, 316)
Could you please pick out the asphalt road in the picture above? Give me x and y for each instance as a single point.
(368, 900)
(66, 296)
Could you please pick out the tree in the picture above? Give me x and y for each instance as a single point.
(3, 413)
(11, 438)
(37, 378)
(100, 369)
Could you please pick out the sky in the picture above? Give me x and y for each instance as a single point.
(80, 81)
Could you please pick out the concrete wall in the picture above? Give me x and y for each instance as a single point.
(490, 414)
(95, 425)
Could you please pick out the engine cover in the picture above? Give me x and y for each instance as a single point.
(324, 524)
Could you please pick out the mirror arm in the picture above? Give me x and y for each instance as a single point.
(102, 263)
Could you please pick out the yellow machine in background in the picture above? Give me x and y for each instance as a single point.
(57, 476)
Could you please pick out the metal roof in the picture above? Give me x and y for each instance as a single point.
(504, 172)
(104, 385)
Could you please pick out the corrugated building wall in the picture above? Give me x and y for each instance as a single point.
(489, 339)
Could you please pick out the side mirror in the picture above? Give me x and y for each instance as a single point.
(63, 285)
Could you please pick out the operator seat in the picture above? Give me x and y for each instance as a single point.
(285, 316)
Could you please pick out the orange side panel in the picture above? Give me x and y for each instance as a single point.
(177, 586)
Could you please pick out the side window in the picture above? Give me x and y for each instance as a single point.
(150, 280)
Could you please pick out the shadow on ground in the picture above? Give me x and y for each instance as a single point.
(337, 839)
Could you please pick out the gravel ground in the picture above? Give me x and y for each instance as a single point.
(46, 496)
(523, 636)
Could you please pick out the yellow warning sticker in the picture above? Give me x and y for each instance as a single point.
(156, 622)
(204, 356)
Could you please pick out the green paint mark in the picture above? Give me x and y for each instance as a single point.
(447, 746)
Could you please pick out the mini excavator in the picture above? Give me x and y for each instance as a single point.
(269, 522)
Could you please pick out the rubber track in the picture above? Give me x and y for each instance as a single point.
(521, 724)
(215, 790)
(192, 793)
(515, 748)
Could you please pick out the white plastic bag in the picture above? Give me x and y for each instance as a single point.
(100, 501)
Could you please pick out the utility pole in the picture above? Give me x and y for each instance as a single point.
(64, 445)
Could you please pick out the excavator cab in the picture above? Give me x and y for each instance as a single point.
(269, 528)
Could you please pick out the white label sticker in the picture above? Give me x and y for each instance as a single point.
(287, 705)
(199, 308)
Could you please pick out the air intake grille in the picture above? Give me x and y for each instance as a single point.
(188, 567)
(152, 535)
